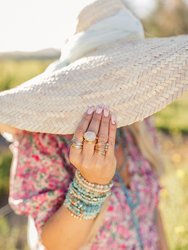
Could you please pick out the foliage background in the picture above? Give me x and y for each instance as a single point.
(169, 18)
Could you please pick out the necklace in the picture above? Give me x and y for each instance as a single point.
(133, 205)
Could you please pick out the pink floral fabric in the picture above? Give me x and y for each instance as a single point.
(40, 176)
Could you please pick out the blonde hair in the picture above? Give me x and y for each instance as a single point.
(150, 151)
(149, 148)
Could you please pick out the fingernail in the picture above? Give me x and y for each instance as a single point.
(113, 119)
(107, 106)
(99, 109)
(106, 112)
(90, 110)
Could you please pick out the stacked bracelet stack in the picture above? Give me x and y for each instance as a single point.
(84, 199)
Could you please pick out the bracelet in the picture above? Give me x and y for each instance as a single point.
(91, 194)
(87, 198)
(79, 209)
(84, 190)
(97, 187)
(89, 188)
(84, 199)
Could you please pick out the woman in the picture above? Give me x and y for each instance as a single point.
(44, 166)
(45, 184)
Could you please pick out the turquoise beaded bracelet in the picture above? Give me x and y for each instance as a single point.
(84, 199)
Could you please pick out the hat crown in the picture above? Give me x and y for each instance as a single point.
(95, 11)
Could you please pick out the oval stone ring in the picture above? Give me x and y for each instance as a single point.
(90, 136)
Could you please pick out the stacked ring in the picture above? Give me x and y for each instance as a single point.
(90, 137)
(102, 147)
(76, 143)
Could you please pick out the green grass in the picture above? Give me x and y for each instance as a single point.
(13, 237)
(174, 118)
(14, 73)
(5, 162)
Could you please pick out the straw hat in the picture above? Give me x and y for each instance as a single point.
(135, 76)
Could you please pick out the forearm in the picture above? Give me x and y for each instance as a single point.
(63, 231)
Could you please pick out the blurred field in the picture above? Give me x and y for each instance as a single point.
(174, 196)
(174, 119)
(15, 72)
(172, 124)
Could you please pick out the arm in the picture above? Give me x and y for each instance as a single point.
(64, 231)
(61, 229)
(38, 185)
(161, 232)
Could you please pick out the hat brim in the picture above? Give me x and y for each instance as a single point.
(136, 79)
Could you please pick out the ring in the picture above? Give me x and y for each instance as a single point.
(90, 136)
(102, 147)
(76, 143)
(102, 152)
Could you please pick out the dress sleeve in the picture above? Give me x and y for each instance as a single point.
(40, 175)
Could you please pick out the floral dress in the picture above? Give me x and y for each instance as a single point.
(40, 176)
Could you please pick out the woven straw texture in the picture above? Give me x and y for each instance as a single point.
(135, 78)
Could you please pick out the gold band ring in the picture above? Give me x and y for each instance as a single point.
(75, 142)
(102, 148)
(102, 145)
(101, 152)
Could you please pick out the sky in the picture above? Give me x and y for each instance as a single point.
(38, 24)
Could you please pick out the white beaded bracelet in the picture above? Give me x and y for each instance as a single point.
(94, 187)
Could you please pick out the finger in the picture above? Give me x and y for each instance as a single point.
(103, 130)
(88, 147)
(82, 127)
(112, 135)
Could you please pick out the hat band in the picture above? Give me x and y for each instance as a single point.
(122, 24)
